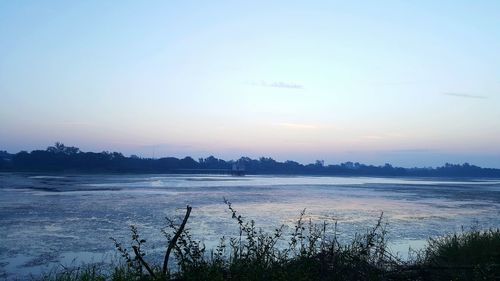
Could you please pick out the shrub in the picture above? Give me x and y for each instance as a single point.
(308, 252)
(472, 255)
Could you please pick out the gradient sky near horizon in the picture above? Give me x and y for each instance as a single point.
(412, 83)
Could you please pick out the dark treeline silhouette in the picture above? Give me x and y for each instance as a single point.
(61, 158)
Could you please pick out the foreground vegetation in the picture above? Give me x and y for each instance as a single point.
(308, 252)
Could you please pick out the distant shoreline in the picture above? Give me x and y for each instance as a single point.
(105, 173)
(64, 159)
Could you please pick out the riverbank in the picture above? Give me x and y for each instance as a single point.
(309, 252)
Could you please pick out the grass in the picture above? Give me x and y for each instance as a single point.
(473, 255)
(309, 252)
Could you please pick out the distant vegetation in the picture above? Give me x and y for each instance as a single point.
(306, 251)
(61, 158)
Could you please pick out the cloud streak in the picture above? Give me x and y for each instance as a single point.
(280, 84)
(467, 96)
(296, 125)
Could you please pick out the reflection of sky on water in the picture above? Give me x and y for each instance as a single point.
(47, 220)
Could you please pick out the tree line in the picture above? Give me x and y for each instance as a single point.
(61, 158)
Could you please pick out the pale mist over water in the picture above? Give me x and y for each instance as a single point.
(48, 220)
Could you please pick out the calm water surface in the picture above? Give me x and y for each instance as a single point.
(48, 221)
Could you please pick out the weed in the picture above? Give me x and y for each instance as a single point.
(309, 251)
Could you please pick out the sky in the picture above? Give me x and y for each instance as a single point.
(411, 83)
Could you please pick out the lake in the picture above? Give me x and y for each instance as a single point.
(47, 221)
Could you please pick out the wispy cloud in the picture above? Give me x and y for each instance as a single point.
(372, 137)
(412, 151)
(296, 125)
(462, 95)
(279, 84)
(75, 124)
(389, 135)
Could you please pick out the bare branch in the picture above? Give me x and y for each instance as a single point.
(174, 239)
(142, 261)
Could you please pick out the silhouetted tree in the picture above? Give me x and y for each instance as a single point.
(68, 158)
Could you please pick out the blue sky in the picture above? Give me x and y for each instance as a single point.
(413, 83)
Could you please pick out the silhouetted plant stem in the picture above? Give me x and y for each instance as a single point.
(310, 254)
(142, 261)
(174, 239)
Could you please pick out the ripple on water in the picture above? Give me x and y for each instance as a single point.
(42, 227)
